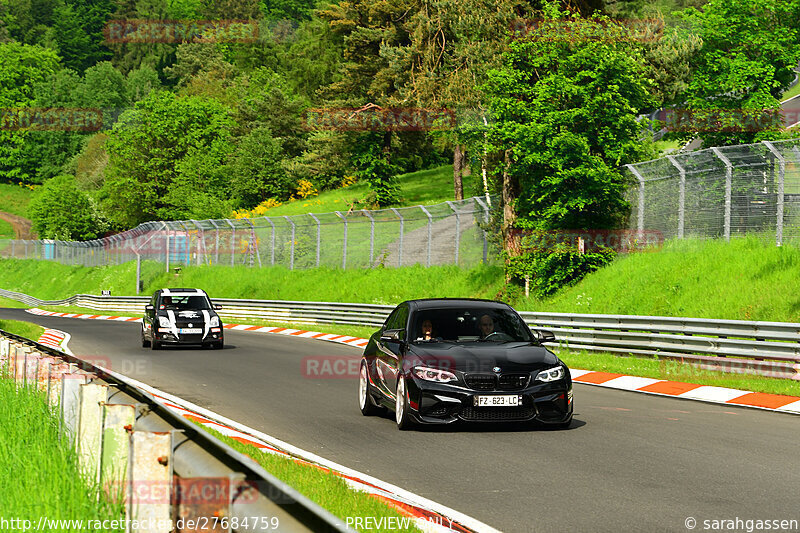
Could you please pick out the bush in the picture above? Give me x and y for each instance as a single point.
(60, 210)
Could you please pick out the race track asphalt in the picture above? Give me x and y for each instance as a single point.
(630, 462)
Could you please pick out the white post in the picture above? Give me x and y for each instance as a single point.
(91, 398)
(430, 233)
(640, 221)
(681, 196)
(400, 243)
(728, 187)
(780, 199)
(318, 234)
(458, 229)
(344, 243)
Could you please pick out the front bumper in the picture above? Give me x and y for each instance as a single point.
(445, 403)
(167, 337)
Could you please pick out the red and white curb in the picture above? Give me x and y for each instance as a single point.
(660, 387)
(341, 339)
(427, 515)
(57, 339)
(689, 391)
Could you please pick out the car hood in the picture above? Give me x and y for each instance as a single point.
(482, 357)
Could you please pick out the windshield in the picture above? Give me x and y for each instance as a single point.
(184, 302)
(469, 325)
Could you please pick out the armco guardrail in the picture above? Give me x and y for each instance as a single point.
(765, 348)
(211, 478)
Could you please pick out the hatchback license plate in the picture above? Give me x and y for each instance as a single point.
(496, 401)
(190, 331)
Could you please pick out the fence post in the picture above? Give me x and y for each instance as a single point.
(166, 248)
(400, 243)
(272, 242)
(640, 221)
(201, 237)
(291, 256)
(344, 242)
(681, 196)
(458, 228)
(485, 233)
(779, 206)
(371, 235)
(728, 187)
(430, 233)
(318, 233)
(233, 239)
(253, 244)
(216, 241)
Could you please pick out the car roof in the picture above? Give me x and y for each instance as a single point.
(456, 303)
(171, 290)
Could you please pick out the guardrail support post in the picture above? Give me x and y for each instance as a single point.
(150, 468)
(728, 187)
(400, 241)
(318, 235)
(117, 420)
(91, 397)
(344, 242)
(780, 199)
(681, 195)
(69, 404)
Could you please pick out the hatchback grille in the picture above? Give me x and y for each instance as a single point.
(504, 382)
(497, 413)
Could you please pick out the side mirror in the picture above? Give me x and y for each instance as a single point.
(545, 336)
(149, 307)
(217, 307)
(393, 335)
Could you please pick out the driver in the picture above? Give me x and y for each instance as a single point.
(427, 331)
(166, 301)
(487, 326)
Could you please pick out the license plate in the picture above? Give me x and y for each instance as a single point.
(190, 331)
(496, 401)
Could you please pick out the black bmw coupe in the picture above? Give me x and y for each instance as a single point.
(439, 361)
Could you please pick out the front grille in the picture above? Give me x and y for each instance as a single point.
(497, 413)
(481, 381)
(514, 381)
(504, 382)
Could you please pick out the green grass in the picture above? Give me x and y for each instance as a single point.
(675, 371)
(40, 472)
(747, 279)
(14, 199)
(5, 302)
(424, 187)
(6, 230)
(794, 91)
(326, 489)
(23, 329)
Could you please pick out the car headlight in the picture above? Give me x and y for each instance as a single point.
(434, 374)
(214, 322)
(163, 322)
(551, 374)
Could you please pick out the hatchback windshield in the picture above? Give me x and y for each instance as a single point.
(469, 325)
(185, 302)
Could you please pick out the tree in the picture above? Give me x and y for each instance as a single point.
(167, 160)
(59, 210)
(746, 62)
(256, 171)
(566, 101)
(22, 66)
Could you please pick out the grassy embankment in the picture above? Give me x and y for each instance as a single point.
(14, 199)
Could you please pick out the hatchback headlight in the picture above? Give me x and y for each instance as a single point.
(163, 322)
(434, 374)
(214, 322)
(551, 374)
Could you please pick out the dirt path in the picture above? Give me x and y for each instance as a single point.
(22, 226)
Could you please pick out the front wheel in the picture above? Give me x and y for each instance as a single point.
(401, 414)
(365, 401)
(145, 342)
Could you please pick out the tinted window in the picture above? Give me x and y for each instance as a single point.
(398, 319)
(471, 325)
(184, 302)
